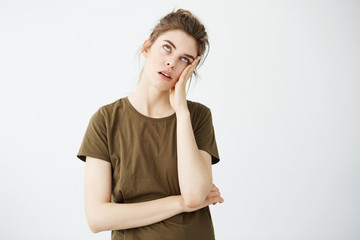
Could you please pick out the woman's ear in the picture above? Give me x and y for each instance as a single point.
(145, 48)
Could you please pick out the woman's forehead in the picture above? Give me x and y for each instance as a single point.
(180, 39)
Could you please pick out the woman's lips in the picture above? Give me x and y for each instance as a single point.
(165, 77)
(166, 73)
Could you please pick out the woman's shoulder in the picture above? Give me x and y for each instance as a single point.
(199, 112)
(112, 106)
(197, 106)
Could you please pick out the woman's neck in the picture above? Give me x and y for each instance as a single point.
(151, 102)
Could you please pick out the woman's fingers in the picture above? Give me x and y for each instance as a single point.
(214, 196)
(214, 193)
(193, 65)
(188, 71)
(214, 188)
(217, 199)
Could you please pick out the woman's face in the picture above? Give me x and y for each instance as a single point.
(171, 52)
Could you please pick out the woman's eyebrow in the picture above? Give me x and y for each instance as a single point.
(188, 55)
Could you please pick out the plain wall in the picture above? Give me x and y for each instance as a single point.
(281, 79)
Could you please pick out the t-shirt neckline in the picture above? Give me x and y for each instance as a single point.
(127, 101)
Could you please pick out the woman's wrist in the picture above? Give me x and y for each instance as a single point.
(180, 203)
(182, 112)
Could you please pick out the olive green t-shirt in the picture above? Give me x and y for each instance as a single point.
(143, 156)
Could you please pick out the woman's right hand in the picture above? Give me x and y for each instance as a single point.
(213, 198)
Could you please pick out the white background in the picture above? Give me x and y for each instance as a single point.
(282, 80)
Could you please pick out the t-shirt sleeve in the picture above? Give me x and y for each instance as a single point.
(95, 141)
(205, 135)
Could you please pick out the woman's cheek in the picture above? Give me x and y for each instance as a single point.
(163, 52)
(182, 67)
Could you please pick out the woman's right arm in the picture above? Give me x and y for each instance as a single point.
(102, 215)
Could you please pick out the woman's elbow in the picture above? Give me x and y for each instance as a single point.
(92, 223)
(100, 218)
(94, 228)
(93, 219)
(193, 201)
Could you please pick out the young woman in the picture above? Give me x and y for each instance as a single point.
(149, 155)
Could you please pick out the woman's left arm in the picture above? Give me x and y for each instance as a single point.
(194, 165)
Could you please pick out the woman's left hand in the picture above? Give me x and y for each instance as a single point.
(178, 94)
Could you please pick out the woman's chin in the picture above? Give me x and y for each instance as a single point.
(164, 87)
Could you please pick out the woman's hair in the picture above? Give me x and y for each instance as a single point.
(186, 21)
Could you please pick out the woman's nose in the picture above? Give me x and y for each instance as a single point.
(170, 63)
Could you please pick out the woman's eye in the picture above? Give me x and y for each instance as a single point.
(167, 47)
(185, 60)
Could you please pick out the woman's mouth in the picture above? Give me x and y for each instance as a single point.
(165, 76)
